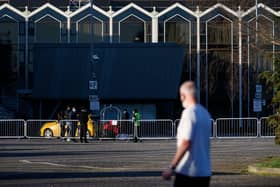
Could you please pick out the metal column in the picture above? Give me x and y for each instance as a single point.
(154, 26)
(111, 24)
(26, 54)
(240, 63)
(198, 54)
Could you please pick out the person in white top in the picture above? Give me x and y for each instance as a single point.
(191, 163)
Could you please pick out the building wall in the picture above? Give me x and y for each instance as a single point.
(222, 55)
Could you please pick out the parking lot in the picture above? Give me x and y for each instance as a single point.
(39, 162)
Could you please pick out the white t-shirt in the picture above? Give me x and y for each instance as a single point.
(195, 126)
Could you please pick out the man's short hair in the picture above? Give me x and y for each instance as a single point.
(188, 88)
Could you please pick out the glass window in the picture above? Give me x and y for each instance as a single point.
(260, 59)
(220, 78)
(9, 56)
(84, 30)
(219, 39)
(132, 29)
(47, 30)
(265, 46)
(177, 30)
(8, 30)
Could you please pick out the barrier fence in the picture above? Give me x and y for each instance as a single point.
(12, 128)
(126, 129)
(42, 128)
(265, 129)
(237, 127)
(112, 129)
(213, 133)
(153, 129)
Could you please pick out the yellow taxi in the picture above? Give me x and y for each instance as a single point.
(53, 129)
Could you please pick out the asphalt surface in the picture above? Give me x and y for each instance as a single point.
(122, 163)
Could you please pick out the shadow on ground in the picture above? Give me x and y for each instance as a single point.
(57, 175)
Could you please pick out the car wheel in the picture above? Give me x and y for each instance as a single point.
(48, 133)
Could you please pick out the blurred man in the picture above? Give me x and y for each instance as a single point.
(191, 162)
(83, 118)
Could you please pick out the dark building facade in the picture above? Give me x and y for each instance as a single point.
(227, 43)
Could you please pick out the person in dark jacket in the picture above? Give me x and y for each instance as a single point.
(125, 115)
(60, 116)
(83, 118)
(66, 112)
(64, 125)
(125, 123)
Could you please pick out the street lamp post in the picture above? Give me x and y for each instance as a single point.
(257, 36)
(258, 89)
(93, 78)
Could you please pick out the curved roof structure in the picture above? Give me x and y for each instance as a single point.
(132, 8)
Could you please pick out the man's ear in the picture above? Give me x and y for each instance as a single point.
(183, 97)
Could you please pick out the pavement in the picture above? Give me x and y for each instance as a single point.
(53, 163)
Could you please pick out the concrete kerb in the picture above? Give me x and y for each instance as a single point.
(263, 170)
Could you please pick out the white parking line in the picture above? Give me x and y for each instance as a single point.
(25, 161)
(42, 163)
(72, 166)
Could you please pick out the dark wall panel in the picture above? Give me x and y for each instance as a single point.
(61, 71)
(141, 72)
(125, 71)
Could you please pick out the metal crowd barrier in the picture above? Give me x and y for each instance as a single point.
(115, 129)
(177, 121)
(69, 129)
(125, 129)
(265, 129)
(12, 128)
(156, 129)
(236, 127)
(42, 128)
(57, 129)
(213, 128)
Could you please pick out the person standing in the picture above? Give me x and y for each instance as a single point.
(125, 124)
(125, 115)
(66, 127)
(83, 118)
(73, 117)
(60, 118)
(60, 115)
(136, 121)
(66, 112)
(70, 124)
(191, 162)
